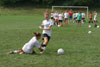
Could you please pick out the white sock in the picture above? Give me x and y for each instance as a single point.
(15, 51)
(44, 48)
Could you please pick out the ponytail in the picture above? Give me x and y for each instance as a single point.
(37, 34)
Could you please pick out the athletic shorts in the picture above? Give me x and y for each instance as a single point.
(45, 35)
(79, 21)
(90, 18)
(95, 19)
(52, 18)
(56, 20)
(83, 18)
(66, 18)
(60, 20)
(70, 17)
(74, 18)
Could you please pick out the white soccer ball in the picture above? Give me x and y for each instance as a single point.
(97, 26)
(59, 25)
(60, 51)
(89, 26)
(89, 32)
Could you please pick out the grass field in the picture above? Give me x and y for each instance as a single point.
(81, 49)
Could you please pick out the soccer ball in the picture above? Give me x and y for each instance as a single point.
(97, 26)
(89, 26)
(60, 51)
(59, 25)
(89, 32)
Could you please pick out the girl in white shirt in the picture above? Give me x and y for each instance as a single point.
(74, 17)
(52, 15)
(56, 18)
(83, 17)
(60, 18)
(95, 19)
(66, 17)
(46, 26)
(95, 16)
(28, 47)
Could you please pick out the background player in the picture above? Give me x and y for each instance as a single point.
(90, 19)
(60, 18)
(66, 17)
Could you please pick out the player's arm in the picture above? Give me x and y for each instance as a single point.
(37, 44)
(49, 28)
(41, 26)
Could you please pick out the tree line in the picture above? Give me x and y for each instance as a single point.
(48, 3)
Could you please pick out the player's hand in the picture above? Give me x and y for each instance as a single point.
(40, 27)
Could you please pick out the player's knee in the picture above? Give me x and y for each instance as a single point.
(46, 41)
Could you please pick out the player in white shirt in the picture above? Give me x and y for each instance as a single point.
(95, 16)
(66, 17)
(52, 15)
(74, 17)
(28, 47)
(77, 14)
(83, 17)
(95, 19)
(60, 18)
(46, 26)
(56, 18)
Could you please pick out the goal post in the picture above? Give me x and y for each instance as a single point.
(86, 7)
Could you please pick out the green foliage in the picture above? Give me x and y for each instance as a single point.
(49, 2)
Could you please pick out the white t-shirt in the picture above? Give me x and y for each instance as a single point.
(95, 16)
(60, 16)
(65, 15)
(83, 15)
(52, 14)
(74, 15)
(27, 48)
(56, 16)
(46, 24)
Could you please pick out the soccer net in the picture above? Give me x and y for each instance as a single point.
(71, 7)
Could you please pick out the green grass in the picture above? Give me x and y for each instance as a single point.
(21, 11)
(81, 49)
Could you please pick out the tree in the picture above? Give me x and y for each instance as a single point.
(50, 2)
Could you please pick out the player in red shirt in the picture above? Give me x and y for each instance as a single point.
(70, 14)
(46, 12)
(90, 20)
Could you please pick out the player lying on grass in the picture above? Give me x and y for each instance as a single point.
(28, 47)
(46, 26)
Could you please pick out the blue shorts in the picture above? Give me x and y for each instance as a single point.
(74, 18)
(70, 17)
